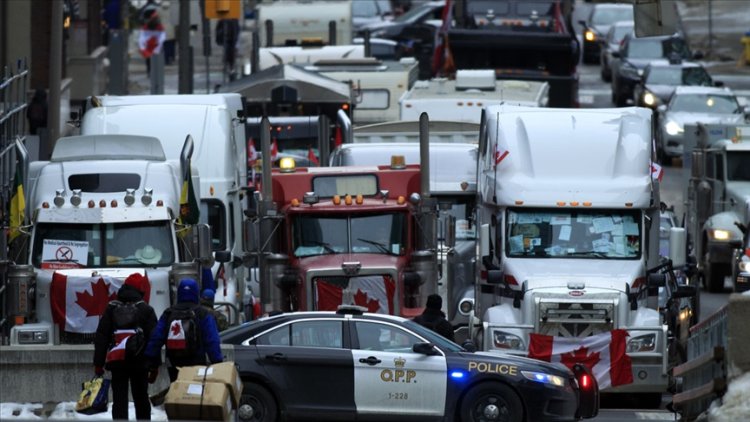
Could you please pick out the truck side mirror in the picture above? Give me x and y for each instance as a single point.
(450, 231)
(495, 276)
(685, 290)
(657, 280)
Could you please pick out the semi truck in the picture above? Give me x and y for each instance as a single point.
(216, 122)
(717, 197)
(295, 22)
(518, 40)
(568, 219)
(327, 236)
(453, 164)
(102, 208)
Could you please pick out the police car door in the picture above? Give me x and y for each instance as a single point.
(390, 379)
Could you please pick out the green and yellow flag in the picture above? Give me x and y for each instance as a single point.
(17, 206)
(189, 210)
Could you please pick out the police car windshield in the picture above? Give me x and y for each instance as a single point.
(441, 342)
(546, 233)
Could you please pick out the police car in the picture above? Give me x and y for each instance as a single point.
(350, 365)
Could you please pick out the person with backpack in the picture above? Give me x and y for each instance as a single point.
(207, 300)
(187, 330)
(434, 318)
(119, 345)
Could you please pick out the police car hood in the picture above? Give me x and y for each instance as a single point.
(497, 356)
(578, 274)
(367, 261)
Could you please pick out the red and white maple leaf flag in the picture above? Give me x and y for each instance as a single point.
(121, 340)
(373, 292)
(657, 172)
(176, 337)
(312, 157)
(604, 354)
(274, 150)
(77, 302)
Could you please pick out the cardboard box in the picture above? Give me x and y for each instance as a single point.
(198, 401)
(224, 372)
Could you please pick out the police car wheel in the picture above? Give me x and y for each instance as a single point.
(256, 405)
(489, 402)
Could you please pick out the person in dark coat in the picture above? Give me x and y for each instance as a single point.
(37, 111)
(188, 297)
(433, 318)
(133, 370)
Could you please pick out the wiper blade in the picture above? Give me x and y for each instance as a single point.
(326, 246)
(379, 245)
(591, 253)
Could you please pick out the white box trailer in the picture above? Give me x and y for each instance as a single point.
(295, 21)
(569, 229)
(463, 98)
(306, 55)
(377, 84)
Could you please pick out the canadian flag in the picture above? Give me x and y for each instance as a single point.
(604, 354)
(150, 41)
(374, 292)
(121, 340)
(176, 337)
(312, 157)
(500, 154)
(77, 303)
(657, 172)
(252, 153)
(274, 150)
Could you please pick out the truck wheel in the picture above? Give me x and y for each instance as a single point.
(715, 274)
(256, 405)
(491, 401)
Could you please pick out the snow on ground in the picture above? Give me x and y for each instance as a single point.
(735, 403)
(66, 410)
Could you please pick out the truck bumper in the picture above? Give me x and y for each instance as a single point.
(719, 253)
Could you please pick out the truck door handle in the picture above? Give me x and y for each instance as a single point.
(276, 357)
(372, 360)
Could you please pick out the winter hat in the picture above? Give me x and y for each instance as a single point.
(207, 296)
(188, 291)
(434, 302)
(138, 282)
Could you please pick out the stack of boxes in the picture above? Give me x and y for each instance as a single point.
(204, 393)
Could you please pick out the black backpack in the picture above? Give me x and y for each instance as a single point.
(125, 317)
(183, 337)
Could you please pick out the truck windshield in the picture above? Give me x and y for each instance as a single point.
(59, 246)
(546, 233)
(379, 234)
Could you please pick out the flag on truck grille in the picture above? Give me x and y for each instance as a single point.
(17, 206)
(604, 354)
(77, 303)
(374, 292)
(189, 211)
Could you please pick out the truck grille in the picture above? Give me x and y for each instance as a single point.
(575, 319)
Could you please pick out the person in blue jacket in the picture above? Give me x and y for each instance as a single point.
(207, 346)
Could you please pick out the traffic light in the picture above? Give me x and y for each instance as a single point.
(223, 9)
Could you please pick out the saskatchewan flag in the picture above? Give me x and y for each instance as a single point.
(17, 206)
(189, 211)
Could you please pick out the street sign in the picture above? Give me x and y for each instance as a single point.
(223, 9)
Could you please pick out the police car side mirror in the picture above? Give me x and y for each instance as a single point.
(425, 349)
(469, 346)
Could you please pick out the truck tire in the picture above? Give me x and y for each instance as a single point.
(491, 401)
(256, 405)
(714, 276)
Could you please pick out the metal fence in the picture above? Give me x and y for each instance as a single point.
(13, 103)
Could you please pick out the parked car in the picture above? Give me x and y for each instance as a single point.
(349, 365)
(741, 262)
(611, 43)
(659, 81)
(692, 104)
(633, 56)
(596, 26)
(368, 12)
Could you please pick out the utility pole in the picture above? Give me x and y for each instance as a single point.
(94, 25)
(55, 71)
(185, 51)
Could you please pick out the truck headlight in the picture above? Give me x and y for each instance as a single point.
(544, 378)
(719, 234)
(649, 99)
(645, 343)
(503, 340)
(590, 35)
(465, 306)
(744, 266)
(673, 128)
(33, 337)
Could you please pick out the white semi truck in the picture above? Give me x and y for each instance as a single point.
(216, 123)
(102, 208)
(568, 230)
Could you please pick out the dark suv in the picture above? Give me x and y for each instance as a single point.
(633, 57)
